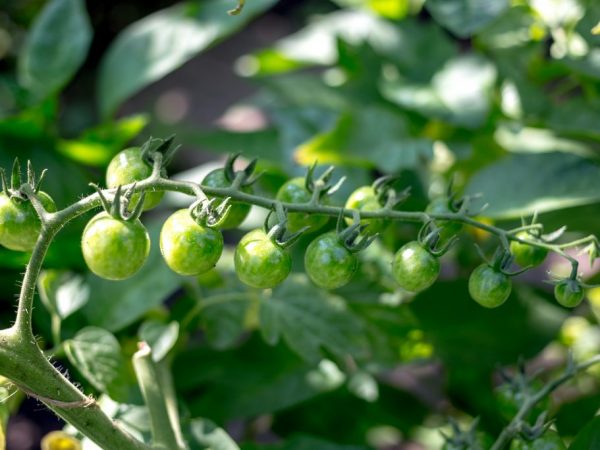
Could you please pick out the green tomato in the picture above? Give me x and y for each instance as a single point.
(414, 268)
(365, 199)
(527, 255)
(489, 287)
(114, 249)
(238, 211)
(127, 167)
(294, 191)
(187, 247)
(510, 399)
(260, 262)
(569, 293)
(20, 225)
(448, 228)
(550, 440)
(328, 263)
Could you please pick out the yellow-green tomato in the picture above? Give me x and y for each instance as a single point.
(569, 293)
(489, 287)
(114, 249)
(20, 225)
(238, 211)
(365, 199)
(187, 247)
(294, 191)
(328, 263)
(260, 262)
(527, 255)
(414, 268)
(127, 167)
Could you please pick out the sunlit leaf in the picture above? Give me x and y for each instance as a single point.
(465, 17)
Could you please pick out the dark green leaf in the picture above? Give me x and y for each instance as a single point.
(162, 42)
(304, 443)
(56, 47)
(465, 17)
(63, 293)
(589, 437)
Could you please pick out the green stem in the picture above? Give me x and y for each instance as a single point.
(513, 427)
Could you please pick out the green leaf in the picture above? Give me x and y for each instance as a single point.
(160, 337)
(56, 47)
(223, 317)
(115, 304)
(97, 355)
(97, 145)
(523, 183)
(62, 292)
(384, 132)
(308, 319)
(589, 437)
(156, 45)
(211, 437)
(304, 443)
(466, 17)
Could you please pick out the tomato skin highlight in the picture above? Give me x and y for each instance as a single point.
(527, 255)
(114, 249)
(365, 199)
(550, 440)
(187, 247)
(127, 167)
(328, 263)
(237, 211)
(414, 268)
(489, 287)
(260, 262)
(569, 293)
(20, 225)
(294, 191)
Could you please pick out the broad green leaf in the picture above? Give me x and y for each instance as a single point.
(450, 96)
(56, 47)
(308, 320)
(382, 131)
(512, 29)
(156, 45)
(115, 304)
(209, 436)
(392, 9)
(97, 355)
(523, 183)
(575, 117)
(223, 317)
(97, 145)
(304, 443)
(589, 437)
(465, 17)
(160, 337)
(63, 293)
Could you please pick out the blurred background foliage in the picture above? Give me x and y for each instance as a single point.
(501, 96)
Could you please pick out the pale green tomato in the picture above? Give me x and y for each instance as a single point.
(294, 191)
(238, 211)
(489, 287)
(365, 199)
(328, 263)
(414, 268)
(187, 247)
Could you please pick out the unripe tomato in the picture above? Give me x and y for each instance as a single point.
(527, 255)
(127, 167)
(569, 293)
(489, 287)
(414, 268)
(114, 249)
(365, 199)
(550, 440)
(187, 247)
(447, 228)
(238, 211)
(260, 262)
(294, 191)
(20, 225)
(328, 263)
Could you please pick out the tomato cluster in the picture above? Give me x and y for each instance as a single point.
(115, 244)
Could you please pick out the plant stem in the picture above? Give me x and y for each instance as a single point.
(513, 427)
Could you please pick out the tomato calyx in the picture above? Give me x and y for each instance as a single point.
(322, 185)
(240, 178)
(155, 149)
(430, 239)
(463, 439)
(349, 236)
(118, 208)
(16, 190)
(210, 213)
(501, 261)
(386, 194)
(278, 232)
